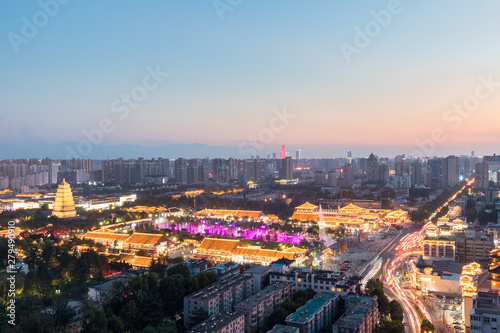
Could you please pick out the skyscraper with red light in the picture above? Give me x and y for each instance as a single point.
(283, 152)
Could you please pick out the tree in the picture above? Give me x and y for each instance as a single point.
(167, 327)
(426, 326)
(376, 287)
(385, 326)
(115, 324)
(197, 316)
(396, 311)
(62, 313)
(278, 316)
(96, 324)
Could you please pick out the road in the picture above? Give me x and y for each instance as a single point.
(393, 258)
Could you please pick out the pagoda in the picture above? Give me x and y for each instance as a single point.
(64, 205)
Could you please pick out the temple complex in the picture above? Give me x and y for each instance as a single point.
(64, 205)
(352, 217)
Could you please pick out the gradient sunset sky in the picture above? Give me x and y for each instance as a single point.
(227, 76)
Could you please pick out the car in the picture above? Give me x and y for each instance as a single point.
(446, 307)
(457, 327)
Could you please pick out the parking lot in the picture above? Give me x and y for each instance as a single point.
(451, 308)
(358, 253)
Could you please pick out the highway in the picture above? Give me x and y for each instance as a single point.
(390, 260)
(392, 263)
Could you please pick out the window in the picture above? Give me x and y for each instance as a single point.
(486, 320)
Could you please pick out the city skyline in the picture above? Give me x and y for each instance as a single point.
(224, 86)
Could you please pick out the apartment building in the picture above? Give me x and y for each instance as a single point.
(315, 314)
(220, 296)
(223, 322)
(257, 308)
(361, 316)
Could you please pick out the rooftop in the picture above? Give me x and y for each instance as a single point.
(353, 317)
(106, 285)
(259, 269)
(264, 294)
(284, 329)
(216, 322)
(215, 288)
(486, 303)
(307, 311)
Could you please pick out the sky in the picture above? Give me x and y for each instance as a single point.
(392, 77)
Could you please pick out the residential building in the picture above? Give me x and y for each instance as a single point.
(318, 312)
(318, 280)
(100, 292)
(482, 179)
(485, 313)
(223, 322)
(361, 315)
(225, 269)
(257, 308)
(259, 273)
(474, 246)
(283, 329)
(450, 171)
(220, 296)
(75, 323)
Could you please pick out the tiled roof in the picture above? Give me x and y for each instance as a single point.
(306, 216)
(229, 212)
(216, 244)
(246, 251)
(146, 239)
(294, 249)
(307, 205)
(351, 207)
(105, 236)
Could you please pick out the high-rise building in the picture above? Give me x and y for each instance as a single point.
(260, 169)
(450, 171)
(181, 170)
(283, 152)
(286, 170)
(372, 168)
(482, 175)
(64, 205)
(248, 170)
(297, 157)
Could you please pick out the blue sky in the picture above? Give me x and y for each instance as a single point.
(226, 76)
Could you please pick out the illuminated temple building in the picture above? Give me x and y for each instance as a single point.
(352, 217)
(221, 250)
(64, 205)
(153, 243)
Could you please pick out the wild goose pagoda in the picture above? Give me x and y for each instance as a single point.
(64, 205)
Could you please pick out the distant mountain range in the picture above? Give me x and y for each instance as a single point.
(41, 149)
